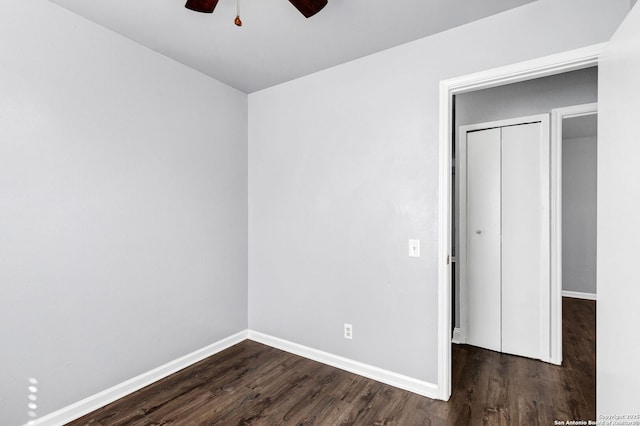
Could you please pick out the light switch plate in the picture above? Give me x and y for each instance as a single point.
(414, 248)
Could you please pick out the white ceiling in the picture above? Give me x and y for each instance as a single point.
(276, 43)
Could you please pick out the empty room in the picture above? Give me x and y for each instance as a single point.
(312, 212)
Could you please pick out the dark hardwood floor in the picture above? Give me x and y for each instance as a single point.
(253, 384)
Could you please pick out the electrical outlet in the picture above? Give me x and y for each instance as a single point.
(348, 331)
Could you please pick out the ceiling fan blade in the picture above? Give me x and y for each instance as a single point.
(309, 7)
(204, 6)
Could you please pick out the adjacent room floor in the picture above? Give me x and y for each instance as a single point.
(253, 384)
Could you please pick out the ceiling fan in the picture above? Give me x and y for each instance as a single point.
(307, 7)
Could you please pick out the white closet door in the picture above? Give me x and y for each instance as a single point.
(525, 240)
(483, 238)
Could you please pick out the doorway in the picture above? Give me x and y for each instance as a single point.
(502, 103)
(574, 198)
(552, 65)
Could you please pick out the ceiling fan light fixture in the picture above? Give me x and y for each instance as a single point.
(238, 21)
(204, 6)
(309, 7)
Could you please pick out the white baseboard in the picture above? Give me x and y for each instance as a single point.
(100, 399)
(458, 337)
(579, 295)
(87, 405)
(388, 377)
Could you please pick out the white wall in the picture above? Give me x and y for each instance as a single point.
(123, 209)
(579, 165)
(618, 314)
(343, 170)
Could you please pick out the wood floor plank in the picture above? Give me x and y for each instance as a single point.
(253, 384)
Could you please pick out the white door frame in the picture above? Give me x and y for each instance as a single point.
(461, 254)
(549, 65)
(557, 115)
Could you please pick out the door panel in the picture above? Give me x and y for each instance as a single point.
(525, 238)
(483, 238)
(506, 248)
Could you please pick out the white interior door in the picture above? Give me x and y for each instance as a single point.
(483, 238)
(505, 245)
(525, 240)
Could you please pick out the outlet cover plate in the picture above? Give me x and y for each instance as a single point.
(348, 331)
